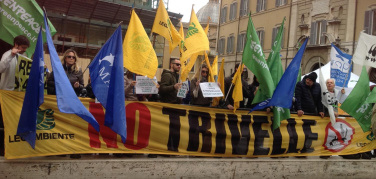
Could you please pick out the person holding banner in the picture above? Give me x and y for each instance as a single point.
(73, 72)
(196, 93)
(169, 85)
(8, 65)
(9, 61)
(308, 96)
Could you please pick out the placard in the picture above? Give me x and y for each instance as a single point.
(146, 85)
(210, 89)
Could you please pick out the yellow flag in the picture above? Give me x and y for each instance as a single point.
(163, 26)
(211, 76)
(215, 66)
(221, 81)
(207, 27)
(237, 94)
(139, 55)
(196, 39)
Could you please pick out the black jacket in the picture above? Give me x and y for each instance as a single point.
(308, 98)
(246, 92)
(167, 92)
(73, 78)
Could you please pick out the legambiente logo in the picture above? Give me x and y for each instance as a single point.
(45, 119)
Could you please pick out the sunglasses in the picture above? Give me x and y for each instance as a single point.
(73, 57)
(177, 64)
(203, 71)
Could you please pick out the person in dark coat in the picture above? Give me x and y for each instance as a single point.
(246, 93)
(74, 73)
(308, 96)
(169, 85)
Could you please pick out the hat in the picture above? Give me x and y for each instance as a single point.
(312, 76)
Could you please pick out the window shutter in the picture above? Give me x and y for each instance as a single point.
(235, 10)
(228, 44)
(241, 7)
(274, 34)
(277, 3)
(238, 43)
(283, 37)
(313, 34)
(264, 5)
(367, 22)
(225, 15)
(323, 30)
(284, 2)
(258, 6)
(262, 38)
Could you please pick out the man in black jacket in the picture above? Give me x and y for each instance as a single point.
(169, 85)
(308, 96)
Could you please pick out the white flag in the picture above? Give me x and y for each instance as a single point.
(365, 52)
(327, 99)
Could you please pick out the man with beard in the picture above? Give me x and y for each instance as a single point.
(169, 85)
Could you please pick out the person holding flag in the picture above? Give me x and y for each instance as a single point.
(229, 89)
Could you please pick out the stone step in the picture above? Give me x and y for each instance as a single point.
(140, 166)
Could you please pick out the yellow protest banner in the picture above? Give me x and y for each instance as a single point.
(161, 128)
(23, 68)
(139, 55)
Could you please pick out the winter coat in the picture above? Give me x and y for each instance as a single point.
(308, 98)
(73, 77)
(167, 92)
(198, 99)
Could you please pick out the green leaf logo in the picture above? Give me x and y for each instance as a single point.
(191, 30)
(45, 119)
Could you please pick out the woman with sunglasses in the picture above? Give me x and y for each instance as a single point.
(197, 97)
(72, 70)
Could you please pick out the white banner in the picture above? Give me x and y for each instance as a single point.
(210, 89)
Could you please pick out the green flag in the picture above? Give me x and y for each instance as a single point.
(372, 96)
(276, 72)
(21, 18)
(356, 104)
(254, 59)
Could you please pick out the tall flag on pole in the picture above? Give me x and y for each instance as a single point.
(211, 76)
(254, 59)
(34, 96)
(215, 66)
(163, 26)
(221, 81)
(107, 81)
(282, 96)
(196, 39)
(276, 72)
(356, 103)
(139, 55)
(325, 98)
(341, 67)
(365, 52)
(237, 94)
(67, 100)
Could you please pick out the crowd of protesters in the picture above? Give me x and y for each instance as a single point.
(307, 98)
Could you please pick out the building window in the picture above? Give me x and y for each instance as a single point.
(370, 22)
(280, 3)
(221, 46)
(274, 36)
(233, 7)
(223, 14)
(318, 29)
(241, 42)
(244, 7)
(230, 44)
(261, 5)
(260, 35)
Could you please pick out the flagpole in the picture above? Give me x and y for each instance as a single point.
(228, 92)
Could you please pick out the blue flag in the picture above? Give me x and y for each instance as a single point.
(340, 66)
(67, 100)
(282, 96)
(34, 96)
(107, 81)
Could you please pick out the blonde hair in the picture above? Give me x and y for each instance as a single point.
(75, 68)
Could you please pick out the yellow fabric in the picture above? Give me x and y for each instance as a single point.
(211, 76)
(163, 26)
(187, 66)
(139, 55)
(196, 39)
(237, 94)
(215, 66)
(221, 81)
(149, 131)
